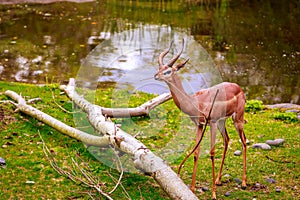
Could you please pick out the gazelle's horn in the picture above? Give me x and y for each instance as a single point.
(180, 65)
(171, 63)
(163, 54)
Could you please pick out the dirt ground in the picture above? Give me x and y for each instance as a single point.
(41, 1)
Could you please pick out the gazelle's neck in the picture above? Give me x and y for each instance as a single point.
(183, 101)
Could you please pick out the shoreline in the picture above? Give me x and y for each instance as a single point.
(9, 2)
(283, 106)
(266, 106)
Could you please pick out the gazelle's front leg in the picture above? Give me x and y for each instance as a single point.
(199, 136)
(213, 129)
(222, 129)
(239, 125)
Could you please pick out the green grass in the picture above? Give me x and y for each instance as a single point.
(21, 146)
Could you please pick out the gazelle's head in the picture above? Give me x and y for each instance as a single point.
(165, 72)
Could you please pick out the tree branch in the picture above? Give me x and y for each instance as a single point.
(144, 159)
(88, 139)
(141, 110)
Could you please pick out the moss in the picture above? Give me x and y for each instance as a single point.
(288, 117)
(253, 106)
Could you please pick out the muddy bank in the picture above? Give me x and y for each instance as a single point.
(41, 1)
(284, 106)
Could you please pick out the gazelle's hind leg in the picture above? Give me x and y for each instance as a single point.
(222, 129)
(239, 125)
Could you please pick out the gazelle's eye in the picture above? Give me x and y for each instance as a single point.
(167, 72)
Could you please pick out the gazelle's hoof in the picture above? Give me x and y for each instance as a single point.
(244, 185)
(218, 183)
(214, 198)
(192, 189)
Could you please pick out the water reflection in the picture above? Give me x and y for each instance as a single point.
(253, 43)
(130, 59)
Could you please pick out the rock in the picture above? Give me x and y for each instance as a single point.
(280, 141)
(2, 163)
(226, 175)
(270, 180)
(93, 40)
(263, 146)
(47, 14)
(271, 142)
(247, 141)
(37, 60)
(227, 194)
(30, 182)
(284, 106)
(278, 190)
(204, 189)
(275, 142)
(237, 180)
(293, 111)
(237, 153)
(48, 40)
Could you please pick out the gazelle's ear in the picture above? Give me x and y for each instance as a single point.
(181, 65)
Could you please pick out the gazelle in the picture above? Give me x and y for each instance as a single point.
(230, 101)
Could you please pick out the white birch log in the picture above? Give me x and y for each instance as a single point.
(141, 110)
(144, 159)
(86, 138)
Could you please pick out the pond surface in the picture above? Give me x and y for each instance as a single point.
(253, 43)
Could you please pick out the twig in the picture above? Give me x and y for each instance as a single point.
(9, 101)
(78, 174)
(122, 172)
(203, 131)
(282, 162)
(121, 185)
(31, 101)
(63, 109)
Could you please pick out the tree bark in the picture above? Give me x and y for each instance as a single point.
(86, 138)
(141, 110)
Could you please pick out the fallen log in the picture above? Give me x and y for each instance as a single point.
(143, 159)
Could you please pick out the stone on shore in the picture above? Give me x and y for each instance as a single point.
(263, 146)
(275, 142)
(238, 153)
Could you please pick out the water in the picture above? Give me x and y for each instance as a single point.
(252, 43)
(130, 60)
